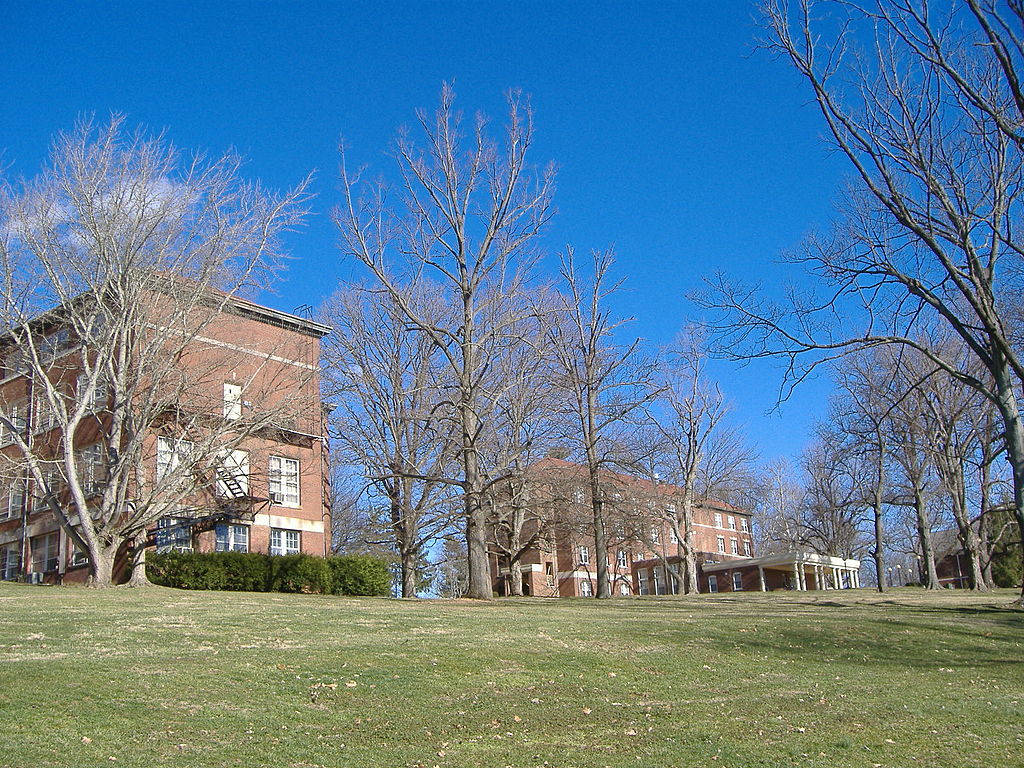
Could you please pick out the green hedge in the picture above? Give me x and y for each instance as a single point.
(252, 572)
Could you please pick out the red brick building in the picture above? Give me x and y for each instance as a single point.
(271, 491)
(558, 560)
(556, 546)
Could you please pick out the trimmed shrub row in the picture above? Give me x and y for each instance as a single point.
(253, 572)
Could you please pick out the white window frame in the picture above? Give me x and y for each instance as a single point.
(10, 560)
(236, 465)
(173, 534)
(655, 536)
(747, 549)
(584, 554)
(642, 581)
(718, 519)
(170, 453)
(284, 481)
(16, 412)
(15, 499)
(737, 581)
(712, 583)
(235, 538)
(732, 523)
(621, 559)
(232, 401)
(100, 395)
(721, 544)
(284, 541)
(745, 525)
(45, 550)
(586, 590)
(734, 546)
(624, 589)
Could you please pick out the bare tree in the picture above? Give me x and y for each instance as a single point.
(114, 262)
(702, 454)
(527, 427)
(468, 218)
(927, 112)
(777, 518)
(605, 385)
(388, 419)
(831, 509)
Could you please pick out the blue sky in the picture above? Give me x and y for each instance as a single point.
(675, 140)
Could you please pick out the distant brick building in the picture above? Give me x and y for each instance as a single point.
(559, 557)
(556, 551)
(271, 494)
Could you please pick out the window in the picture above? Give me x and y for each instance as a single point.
(284, 481)
(584, 553)
(13, 364)
(718, 519)
(92, 469)
(745, 524)
(549, 574)
(623, 589)
(284, 542)
(734, 546)
(173, 534)
(170, 453)
(642, 579)
(672, 535)
(233, 474)
(737, 581)
(17, 413)
(15, 500)
(42, 415)
(732, 523)
(44, 553)
(659, 579)
(232, 401)
(233, 538)
(54, 483)
(79, 558)
(10, 561)
(655, 535)
(746, 549)
(721, 543)
(585, 589)
(712, 583)
(100, 395)
(621, 559)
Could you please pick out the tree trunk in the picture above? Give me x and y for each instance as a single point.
(515, 579)
(101, 561)
(929, 576)
(1014, 432)
(138, 563)
(690, 586)
(604, 589)
(878, 510)
(408, 564)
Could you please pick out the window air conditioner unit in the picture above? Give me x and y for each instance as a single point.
(276, 498)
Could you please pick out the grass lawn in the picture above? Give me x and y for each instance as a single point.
(166, 678)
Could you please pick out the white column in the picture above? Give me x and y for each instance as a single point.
(760, 573)
(817, 577)
(796, 577)
(803, 578)
(856, 578)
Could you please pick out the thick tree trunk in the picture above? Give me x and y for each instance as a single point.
(138, 563)
(929, 576)
(101, 561)
(515, 579)
(1014, 433)
(409, 574)
(690, 586)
